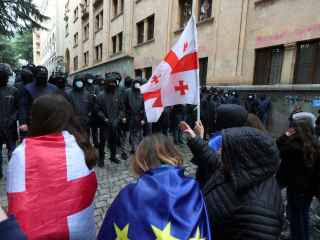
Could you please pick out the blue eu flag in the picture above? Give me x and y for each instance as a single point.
(163, 205)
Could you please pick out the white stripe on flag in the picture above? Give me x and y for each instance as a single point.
(76, 164)
(16, 180)
(82, 225)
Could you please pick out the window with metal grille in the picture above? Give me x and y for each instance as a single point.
(99, 21)
(140, 32)
(114, 44)
(203, 69)
(75, 63)
(76, 14)
(86, 32)
(268, 66)
(150, 21)
(75, 40)
(121, 6)
(185, 11)
(307, 70)
(115, 8)
(99, 52)
(120, 39)
(86, 58)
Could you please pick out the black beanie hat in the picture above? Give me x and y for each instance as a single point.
(230, 115)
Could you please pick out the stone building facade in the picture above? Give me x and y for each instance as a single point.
(274, 43)
(48, 44)
(133, 36)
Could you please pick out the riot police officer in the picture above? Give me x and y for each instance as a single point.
(37, 88)
(111, 112)
(81, 101)
(136, 115)
(8, 113)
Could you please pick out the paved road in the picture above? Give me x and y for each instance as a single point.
(111, 180)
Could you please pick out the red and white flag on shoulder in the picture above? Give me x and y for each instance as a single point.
(176, 79)
(51, 190)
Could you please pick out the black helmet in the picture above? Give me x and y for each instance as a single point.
(41, 76)
(41, 71)
(5, 69)
(26, 76)
(113, 77)
(31, 67)
(128, 82)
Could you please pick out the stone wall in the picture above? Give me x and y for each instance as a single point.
(283, 103)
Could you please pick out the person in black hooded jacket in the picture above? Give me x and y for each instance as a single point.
(242, 196)
(81, 101)
(134, 106)
(300, 172)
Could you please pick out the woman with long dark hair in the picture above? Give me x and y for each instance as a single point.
(51, 184)
(299, 171)
(242, 194)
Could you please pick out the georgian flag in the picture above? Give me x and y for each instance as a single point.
(51, 190)
(176, 79)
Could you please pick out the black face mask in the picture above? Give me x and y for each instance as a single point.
(3, 82)
(110, 88)
(61, 85)
(41, 81)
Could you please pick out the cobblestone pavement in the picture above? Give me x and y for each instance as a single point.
(111, 180)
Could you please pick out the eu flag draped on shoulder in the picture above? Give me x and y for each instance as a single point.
(163, 205)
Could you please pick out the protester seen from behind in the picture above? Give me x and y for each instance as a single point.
(8, 113)
(162, 204)
(300, 171)
(242, 195)
(50, 184)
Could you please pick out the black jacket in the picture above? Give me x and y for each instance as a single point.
(8, 112)
(294, 171)
(30, 92)
(10, 230)
(245, 204)
(82, 104)
(110, 106)
(134, 106)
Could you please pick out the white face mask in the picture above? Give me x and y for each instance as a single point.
(137, 85)
(90, 81)
(79, 84)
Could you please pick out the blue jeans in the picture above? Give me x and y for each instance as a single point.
(298, 214)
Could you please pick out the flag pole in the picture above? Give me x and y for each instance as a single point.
(197, 77)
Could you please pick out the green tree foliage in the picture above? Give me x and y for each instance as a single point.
(7, 53)
(14, 49)
(19, 16)
(23, 47)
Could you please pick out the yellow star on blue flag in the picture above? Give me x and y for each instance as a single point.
(198, 235)
(121, 234)
(164, 234)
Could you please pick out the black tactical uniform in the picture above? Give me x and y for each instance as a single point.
(111, 112)
(8, 113)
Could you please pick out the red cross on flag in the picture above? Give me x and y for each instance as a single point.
(51, 190)
(176, 79)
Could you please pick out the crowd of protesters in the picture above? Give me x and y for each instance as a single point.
(241, 168)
